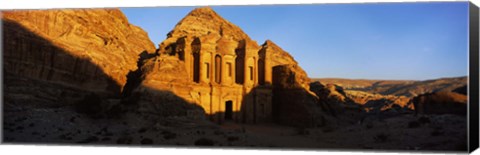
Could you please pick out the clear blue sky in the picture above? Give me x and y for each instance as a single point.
(415, 41)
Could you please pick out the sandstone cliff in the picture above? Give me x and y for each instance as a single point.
(280, 57)
(204, 21)
(331, 96)
(92, 49)
(441, 103)
(335, 102)
(294, 102)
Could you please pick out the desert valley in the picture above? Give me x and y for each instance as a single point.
(89, 77)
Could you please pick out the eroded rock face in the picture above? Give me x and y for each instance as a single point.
(441, 103)
(204, 21)
(331, 97)
(378, 102)
(293, 104)
(338, 100)
(329, 92)
(91, 49)
(205, 34)
(337, 104)
(280, 57)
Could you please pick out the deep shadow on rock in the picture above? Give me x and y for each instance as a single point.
(441, 103)
(43, 81)
(28, 55)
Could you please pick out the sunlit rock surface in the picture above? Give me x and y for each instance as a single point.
(91, 49)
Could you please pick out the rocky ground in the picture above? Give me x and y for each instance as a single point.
(35, 119)
(62, 126)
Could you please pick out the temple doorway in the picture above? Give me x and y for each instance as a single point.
(228, 110)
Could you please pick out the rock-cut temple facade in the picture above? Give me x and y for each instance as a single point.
(230, 80)
(228, 74)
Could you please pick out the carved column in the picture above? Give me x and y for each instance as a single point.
(205, 66)
(268, 70)
(187, 53)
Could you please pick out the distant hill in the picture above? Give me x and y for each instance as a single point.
(408, 88)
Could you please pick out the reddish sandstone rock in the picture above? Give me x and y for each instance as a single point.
(205, 61)
(92, 49)
(190, 53)
(335, 102)
(378, 102)
(202, 30)
(280, 57)
(293, 104)
(204, 21)
(441, 103)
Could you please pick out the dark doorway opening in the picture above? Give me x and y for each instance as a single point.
(196, 67)
(228, 110)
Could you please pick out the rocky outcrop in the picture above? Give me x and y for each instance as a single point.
(293, 101)
(165, 70)
(408, 88)
(378, 102)
(380, 96)
(461, 90)
(329, 92)
(441, 103)
(333, 98)
(280, 57)
(204, 21)
(293, 104)
(91, 49)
